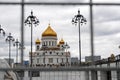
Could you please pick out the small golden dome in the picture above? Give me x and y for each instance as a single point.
(112, 56)
(37, 41)
(49, 32)
(61, 41)
(58, 44)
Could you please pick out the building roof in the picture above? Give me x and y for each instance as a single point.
(61, 41)
(37, 41)
(49, 32)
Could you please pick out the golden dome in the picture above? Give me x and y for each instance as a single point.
(37, 41)
(112, 57)
(58, 44)
(61, 41)
(49, 32)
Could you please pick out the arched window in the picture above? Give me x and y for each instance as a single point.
(67, 60)
(50, 52)
(62, 60)
(49, 43)
(57, 60)
(50, 60)
(52, 43)
(37, 60)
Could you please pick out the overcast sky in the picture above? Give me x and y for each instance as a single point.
(106, 26)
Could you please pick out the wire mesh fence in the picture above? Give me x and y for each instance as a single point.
(73, 73)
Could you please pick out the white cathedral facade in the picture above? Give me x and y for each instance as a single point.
(50, 52)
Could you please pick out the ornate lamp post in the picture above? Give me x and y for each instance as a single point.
(9, 39)
(66, 46)
(44, 47)
(119, 46)
(2, 31)
(31, 20)
(80, 20)
(17, 44)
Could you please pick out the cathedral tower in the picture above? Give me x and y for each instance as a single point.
(49, 52)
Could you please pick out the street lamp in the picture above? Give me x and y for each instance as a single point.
(80, 19)
(119, 47)
(44, 47)
(17, 44)
(9, 39)
(66, 46)
(2, 31)
(31, 20)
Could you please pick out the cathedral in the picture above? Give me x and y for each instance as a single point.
(49, 52)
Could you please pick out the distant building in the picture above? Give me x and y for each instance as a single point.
(49, 51)
(74, 61)
(89, 59)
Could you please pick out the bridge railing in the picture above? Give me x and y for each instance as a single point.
(72, 73)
